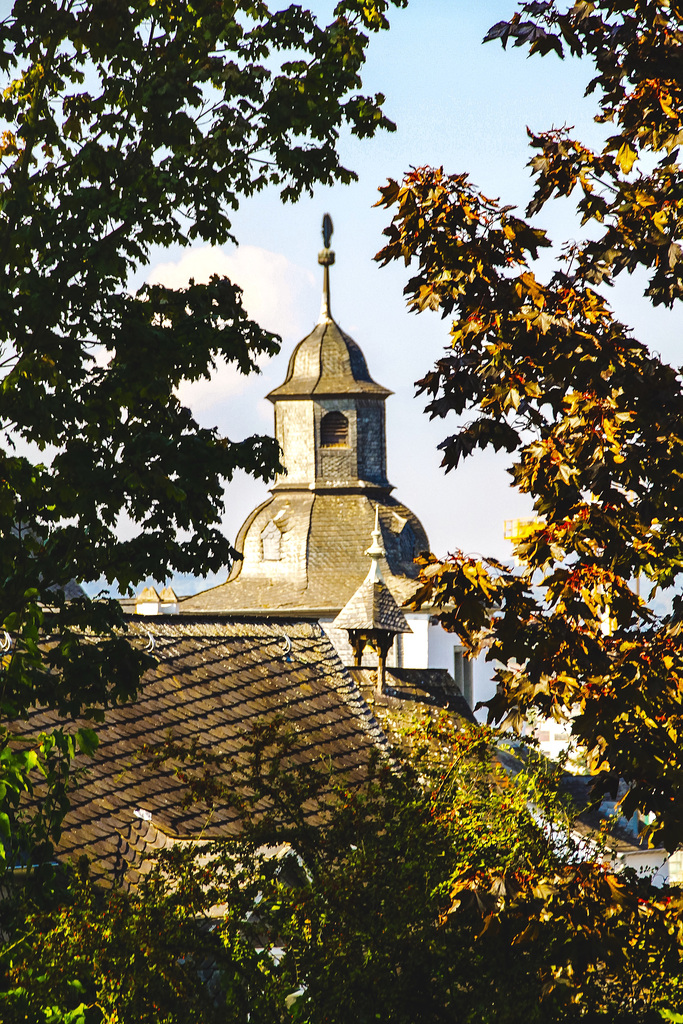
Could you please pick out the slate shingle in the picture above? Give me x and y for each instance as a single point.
(250, 679)
(327, 362)
(337, 530)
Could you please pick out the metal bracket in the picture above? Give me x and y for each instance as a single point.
(287, 653)
(151, 642)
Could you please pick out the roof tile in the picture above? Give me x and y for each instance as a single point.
(251, 680)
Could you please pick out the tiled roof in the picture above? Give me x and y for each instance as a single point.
(372, 607)
(409, 694)
(213, 681)
(432, 687)
(329, 533)
(622, 838)
(327, 362)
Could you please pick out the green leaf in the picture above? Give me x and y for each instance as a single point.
(87, 741)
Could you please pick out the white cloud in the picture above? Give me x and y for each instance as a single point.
(276, 293)
(264, 411)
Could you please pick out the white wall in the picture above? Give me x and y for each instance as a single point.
(416, 644)
(442, 648)
(428, 646)
(654, 864)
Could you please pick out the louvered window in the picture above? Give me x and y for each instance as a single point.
(334, 430)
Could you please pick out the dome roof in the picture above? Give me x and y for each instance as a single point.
(321, 559)
(326, 363)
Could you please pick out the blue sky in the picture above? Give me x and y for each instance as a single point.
(458, 104)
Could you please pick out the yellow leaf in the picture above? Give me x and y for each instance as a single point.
(626, 157)
(659, 220)
(665, 102)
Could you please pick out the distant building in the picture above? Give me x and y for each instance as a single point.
(304, 548)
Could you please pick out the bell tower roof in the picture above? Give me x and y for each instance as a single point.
(327, 362)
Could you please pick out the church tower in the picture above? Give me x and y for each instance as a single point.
(329, 413)
(304, 548)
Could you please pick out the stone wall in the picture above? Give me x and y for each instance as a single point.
(372, 441)
(297, 428)
(295, 432)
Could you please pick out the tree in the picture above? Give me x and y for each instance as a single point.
(129, 124)
(448, 890)
(593, 419)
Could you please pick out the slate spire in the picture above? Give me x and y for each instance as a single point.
(304, 548)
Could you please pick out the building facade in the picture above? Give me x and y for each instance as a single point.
(304, 548)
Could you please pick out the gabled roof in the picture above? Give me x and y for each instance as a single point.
(410, 696)
(214, 680)
(410, 690)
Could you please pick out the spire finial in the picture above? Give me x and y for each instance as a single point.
(326, 259)
(376, 550)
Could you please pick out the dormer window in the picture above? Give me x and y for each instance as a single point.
(271, 539)
(334, 430)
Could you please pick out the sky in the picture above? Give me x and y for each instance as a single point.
(457, 104)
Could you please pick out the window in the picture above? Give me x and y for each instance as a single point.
(463, 674)
(334, 430)
(271, 539)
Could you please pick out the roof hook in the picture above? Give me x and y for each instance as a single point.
(151, 642)
(6, 643)
(287, 653)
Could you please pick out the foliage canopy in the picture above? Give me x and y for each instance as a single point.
(446, 891)
(541, 367)
(128, 124)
